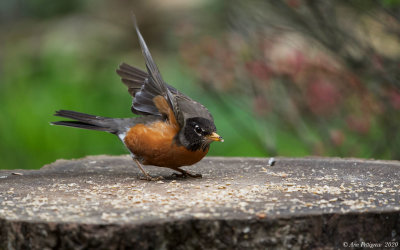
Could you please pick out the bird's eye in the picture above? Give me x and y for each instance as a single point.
(197, 129)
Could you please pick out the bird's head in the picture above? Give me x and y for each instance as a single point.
(198, 133)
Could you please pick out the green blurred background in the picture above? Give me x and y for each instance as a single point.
(287, 77)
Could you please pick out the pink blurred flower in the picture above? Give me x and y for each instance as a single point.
(322, 97)
(258, 69)
(285, 59)
(394, 98)
(358, 123)
(293, 3)
(295, 63)
(337, 137)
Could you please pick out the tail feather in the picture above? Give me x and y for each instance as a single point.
(85, 121)
(82, 125)
(77, 115)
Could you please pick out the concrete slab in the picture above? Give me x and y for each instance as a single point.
(99, 202)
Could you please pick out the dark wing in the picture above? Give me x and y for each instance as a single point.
(145, 86)
(153, 86)
(134, 78)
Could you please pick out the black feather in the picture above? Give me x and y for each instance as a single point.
(86, 121)
(154, 84)
(76, 124)
(133, 70)
(150, 64)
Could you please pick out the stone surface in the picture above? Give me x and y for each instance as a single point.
(100, 202)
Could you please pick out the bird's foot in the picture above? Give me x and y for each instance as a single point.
(146, 176)
(185, 174)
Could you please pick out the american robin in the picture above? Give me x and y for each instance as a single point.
(172, 131)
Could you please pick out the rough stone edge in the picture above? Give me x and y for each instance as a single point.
(277, 158)
(311, 231)
(241, 158)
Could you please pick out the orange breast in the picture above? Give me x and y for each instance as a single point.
(154, 144)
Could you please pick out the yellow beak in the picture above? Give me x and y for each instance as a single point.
(215, 137)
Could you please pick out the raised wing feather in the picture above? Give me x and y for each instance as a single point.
(136, 79)
(144, 86)
(154, 85)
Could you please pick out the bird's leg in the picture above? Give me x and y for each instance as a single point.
(185, 174)
(147, 176)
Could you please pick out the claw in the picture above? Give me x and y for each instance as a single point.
(146, 176)
(185, 174)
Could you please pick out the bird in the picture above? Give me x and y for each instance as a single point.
(170, 130)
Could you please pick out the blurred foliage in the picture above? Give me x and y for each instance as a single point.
(322, 76)
(288, 77)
